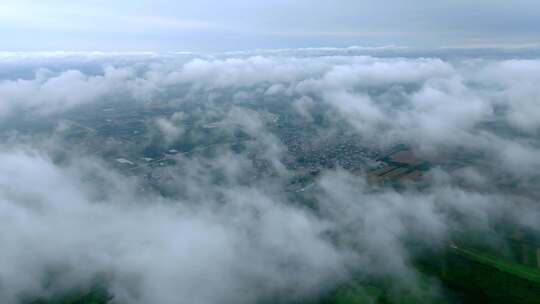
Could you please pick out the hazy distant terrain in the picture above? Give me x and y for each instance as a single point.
(356, 175)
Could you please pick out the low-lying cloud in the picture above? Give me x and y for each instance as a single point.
(233, 234)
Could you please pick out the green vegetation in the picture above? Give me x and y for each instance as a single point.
(509, 268)
(427, 291)
(484, 278)
(97, 296)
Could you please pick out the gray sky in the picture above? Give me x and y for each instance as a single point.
(219, 25)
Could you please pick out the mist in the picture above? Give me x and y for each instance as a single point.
(223, 224)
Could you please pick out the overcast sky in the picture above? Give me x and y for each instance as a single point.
(224, 25)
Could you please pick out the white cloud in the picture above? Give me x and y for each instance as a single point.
(171, 129)
(48, 93)
(230, 242)
(152, 250)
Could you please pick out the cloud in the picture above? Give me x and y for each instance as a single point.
(516, 91)
(151, 249)
(430, 103)
(48, 93)
(222, 242)
(232, 230)
(172, 129)
(441, 84)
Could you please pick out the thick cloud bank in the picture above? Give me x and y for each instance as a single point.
(234, 234)
(153, 250)
(464, 91)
